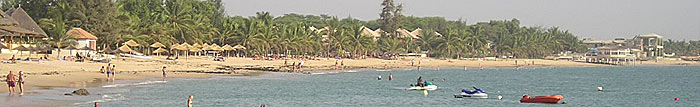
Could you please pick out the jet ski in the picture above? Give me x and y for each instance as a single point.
(476, 93)
(428, 86)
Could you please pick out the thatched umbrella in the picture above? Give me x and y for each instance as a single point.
(21, 48)
(186, 45)
(182, 47)
(2, 46)
(227, 48)
(205, 45)
(124, 49)
(197, 45)
(239, 47)
(131, 43)
(157, 45)
(107, 50)
(207, 48)
(216, 47)
(159, 51)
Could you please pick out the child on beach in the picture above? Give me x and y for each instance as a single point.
(164, 74)
(10, 82)
(102, 70)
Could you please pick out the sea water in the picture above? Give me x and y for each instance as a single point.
(623, 86)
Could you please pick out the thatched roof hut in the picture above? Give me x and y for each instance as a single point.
(25, 21)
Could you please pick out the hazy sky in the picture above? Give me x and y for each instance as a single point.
(597, 19)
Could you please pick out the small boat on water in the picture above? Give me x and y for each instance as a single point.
(428, 86)
(541, 99)
(476, 93)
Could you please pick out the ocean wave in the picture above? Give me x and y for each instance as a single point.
(132, 84)
(105, 98)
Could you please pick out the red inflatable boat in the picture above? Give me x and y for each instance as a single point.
(541, 99)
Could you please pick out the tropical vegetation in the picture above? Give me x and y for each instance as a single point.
(204, 21)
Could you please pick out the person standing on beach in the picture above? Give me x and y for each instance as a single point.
(301, 65)
(21, 82)
(109, 70)
(113, 72)
(412, 60)
(294, 66)
(165, 76)
(342, 64)
(10, 83)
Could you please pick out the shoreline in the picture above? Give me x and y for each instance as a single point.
(75, 75)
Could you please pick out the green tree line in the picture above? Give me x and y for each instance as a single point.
(204, 21)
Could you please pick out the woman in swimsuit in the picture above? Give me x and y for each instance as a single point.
(113, 71)
(164, 74)
(21, 83)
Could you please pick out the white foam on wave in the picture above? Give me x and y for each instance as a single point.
(383, 70)
(132, 84)
(105, 98)
(321, 73)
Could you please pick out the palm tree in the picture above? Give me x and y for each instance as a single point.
(57, 34)
(450, 43)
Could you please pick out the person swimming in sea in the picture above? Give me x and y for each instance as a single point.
(391, 77)
(379, 77)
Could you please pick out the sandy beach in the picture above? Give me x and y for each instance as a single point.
(65, 74)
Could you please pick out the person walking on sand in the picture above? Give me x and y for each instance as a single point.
(165, 76)
(10, 83)
(21, 82)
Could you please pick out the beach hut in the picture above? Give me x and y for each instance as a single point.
(83, 38)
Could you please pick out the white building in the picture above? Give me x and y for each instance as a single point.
(83, 38)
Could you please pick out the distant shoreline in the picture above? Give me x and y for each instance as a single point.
(48, 74)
